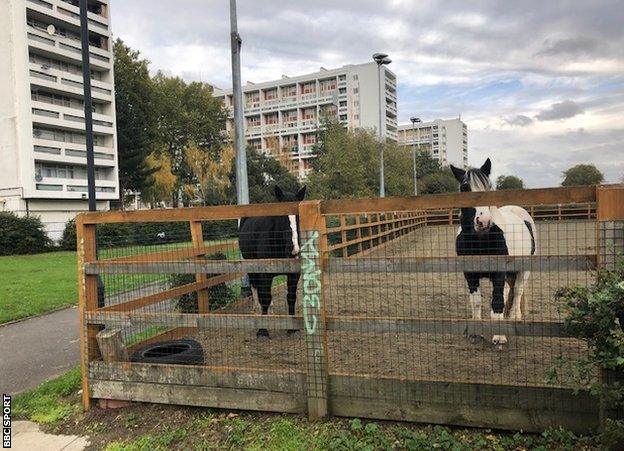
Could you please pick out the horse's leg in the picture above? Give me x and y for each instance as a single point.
(476, 300)
(264, 297)
(509, 294)
(291, 297)
(498, 305)
(521, 308)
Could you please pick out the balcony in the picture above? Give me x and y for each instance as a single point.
(67, 47)
(60, 81)
(271, 128)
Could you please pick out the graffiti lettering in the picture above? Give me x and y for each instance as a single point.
(311, 281)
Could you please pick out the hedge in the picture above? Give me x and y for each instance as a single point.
(22, 235)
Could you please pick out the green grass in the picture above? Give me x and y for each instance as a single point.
(35, 284)
(51, 402)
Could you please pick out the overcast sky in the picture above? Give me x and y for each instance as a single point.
(539, 83)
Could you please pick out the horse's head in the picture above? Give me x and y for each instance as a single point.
(293, 220)
(476, 180)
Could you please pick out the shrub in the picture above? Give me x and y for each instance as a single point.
(22, 235)
(595, 314)
(218, 296)
(68, 240)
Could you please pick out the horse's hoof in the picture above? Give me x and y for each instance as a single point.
(263, 334)
(292, 332)
(499, 342)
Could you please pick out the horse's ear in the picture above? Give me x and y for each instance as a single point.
(301, 193)
(487, 167)
(458, 173)
(279, 194)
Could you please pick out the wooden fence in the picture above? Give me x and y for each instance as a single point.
(335, 235)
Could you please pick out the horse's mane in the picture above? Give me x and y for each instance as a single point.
(478, 180)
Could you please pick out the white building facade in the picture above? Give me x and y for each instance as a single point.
(445, 140)
(285, 113)
(42, 129)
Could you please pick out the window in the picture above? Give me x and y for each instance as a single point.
(356, 90)
(308, 88)
(355, 76)
(270, 94)
(48, 187)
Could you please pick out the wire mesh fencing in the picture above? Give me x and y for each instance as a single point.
(395, 313)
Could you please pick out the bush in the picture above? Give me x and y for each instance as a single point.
(218, 296)
(22, 235)
(142, 234)
(68, 240)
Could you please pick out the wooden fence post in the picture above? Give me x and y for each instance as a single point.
(87, 302)
(203, 301)
(343, 234)
(610, 219)
(314, 257)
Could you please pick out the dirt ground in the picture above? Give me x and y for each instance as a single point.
(442, 357)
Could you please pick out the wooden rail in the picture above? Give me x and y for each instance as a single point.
(355, 227)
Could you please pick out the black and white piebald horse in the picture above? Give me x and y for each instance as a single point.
(508, 230)
(272, 237)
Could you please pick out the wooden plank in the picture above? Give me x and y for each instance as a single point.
(610, 200)
(577, 194)
(176, 254)
(168, 294)
(447, 326)
(269, 266)
(486, 263)
(222, 398)
(204, 320)
(198, 375)
(203, 301)
(482, 405)
(314, 254)
(88, 300)
(211, 213)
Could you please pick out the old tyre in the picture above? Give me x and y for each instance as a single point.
(181, 352)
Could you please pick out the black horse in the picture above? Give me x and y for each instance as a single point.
(272, 237)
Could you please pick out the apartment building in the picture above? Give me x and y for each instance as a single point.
(446, 140)
(42, 125)
(285, 113)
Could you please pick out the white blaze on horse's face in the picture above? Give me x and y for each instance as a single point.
(292, 219)
(483, 219)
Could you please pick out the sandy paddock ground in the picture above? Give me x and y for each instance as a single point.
(442, 357)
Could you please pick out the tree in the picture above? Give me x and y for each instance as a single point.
(211, 173)
(163, 180)
(582, 174)
(263, 173)
(509, 182)
(136, 119)
(399, 173)
(187, 113)
(438, 182)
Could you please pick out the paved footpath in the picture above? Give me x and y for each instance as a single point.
(37, 349)
(26, 436)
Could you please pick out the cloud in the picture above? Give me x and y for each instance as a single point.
(506, 67)
(519, 120)
(561, 110)
(580, 45)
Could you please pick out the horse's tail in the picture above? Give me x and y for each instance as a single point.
(528, 224)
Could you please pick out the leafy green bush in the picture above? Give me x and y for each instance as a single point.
(68, 240)
(595, 314)
(218, 296)
(22, 235)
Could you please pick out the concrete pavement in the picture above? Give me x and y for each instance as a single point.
(37, 349)
(26, 436)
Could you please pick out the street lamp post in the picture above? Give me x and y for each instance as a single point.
(242, 185)
(381, 59)
(415, 120)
